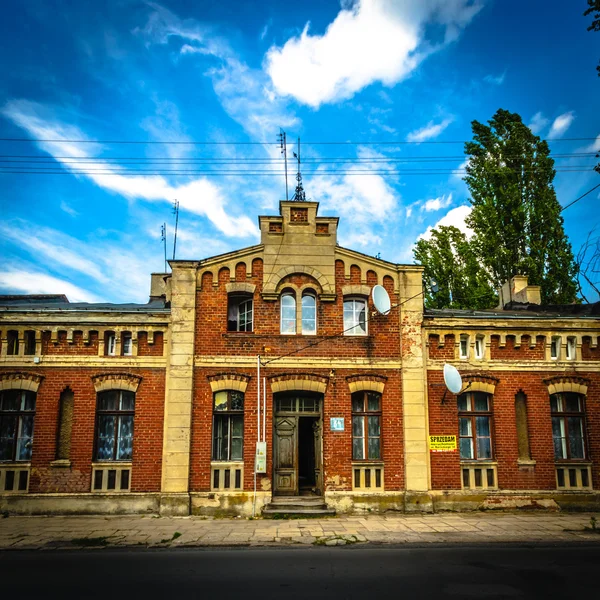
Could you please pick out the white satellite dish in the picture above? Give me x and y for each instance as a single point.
(381, 300)
(452, 379)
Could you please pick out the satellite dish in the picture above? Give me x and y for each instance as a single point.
(381, 300)
(434, 288)
(452, 379)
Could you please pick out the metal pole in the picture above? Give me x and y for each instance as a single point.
(176, 223)
(264, 409)
(285, 159)
(258, 429)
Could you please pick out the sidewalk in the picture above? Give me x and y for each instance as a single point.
(152, 531)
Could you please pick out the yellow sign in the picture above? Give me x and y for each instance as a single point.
(442, 443)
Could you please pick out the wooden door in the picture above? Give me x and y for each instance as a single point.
(317, 429)
(285, 459)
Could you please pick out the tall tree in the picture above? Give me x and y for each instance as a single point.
(516, 216)
(594, 9)
(449, 260)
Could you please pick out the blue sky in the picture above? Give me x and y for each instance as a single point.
(376, 74)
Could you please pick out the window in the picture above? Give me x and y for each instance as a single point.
(29, 339)
(114, 425)
(12, 342)
(355, 316)
(110, 343)
(464, 346)
(568, 426)
(555, 348)
(239, 312)
(475, 426)
(127, 343)
(479, 347)
(288, 313)
(228, 425)
(571, 348)
(17, 410)
(309, 314)
(366, 426)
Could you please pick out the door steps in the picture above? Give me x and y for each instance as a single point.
(297, 507)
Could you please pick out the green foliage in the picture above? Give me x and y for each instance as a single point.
(449, 260)
(516, 216)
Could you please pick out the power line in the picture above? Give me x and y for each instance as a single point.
(309, 143)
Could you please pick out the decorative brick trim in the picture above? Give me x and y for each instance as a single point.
(228, 381)
(240, 286)
(567, 383)
(479, 383)
(298, 381)
(366, 382)
(356, 290)
(116, 381)
(325, 289)
(20, 380)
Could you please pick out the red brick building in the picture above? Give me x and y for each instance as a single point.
(159, 407)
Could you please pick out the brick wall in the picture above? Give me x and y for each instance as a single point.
(212, 337)
(148, 430)
(337, 446)
(523, 352)
(443, 420)
(78, 347)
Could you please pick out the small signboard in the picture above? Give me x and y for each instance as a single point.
(337, 424)
(260, 462)
(442, 443)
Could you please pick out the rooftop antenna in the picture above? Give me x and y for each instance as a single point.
(299, 194)
(176, 212)
(283, 146)
(163, 239)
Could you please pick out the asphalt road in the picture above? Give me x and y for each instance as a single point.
(309, 573)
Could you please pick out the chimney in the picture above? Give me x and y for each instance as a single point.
(518, 290)
(159, 285)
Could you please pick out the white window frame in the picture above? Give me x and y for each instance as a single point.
(351, 326)
(571, 348)
(479, 347)
(288, 319)
(464, 338)
(555, 344)
(314, 308)
(111, 344)
(127, 343)
(240, 304)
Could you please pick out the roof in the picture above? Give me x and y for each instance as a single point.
(60, 303)
(520, 310)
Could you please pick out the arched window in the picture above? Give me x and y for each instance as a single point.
(355, 316)
(475, 426)
(309, 314)
(228, 425)
(288, 313)
(114, 425)
(17, 411)
(239, 312)
(568, 426)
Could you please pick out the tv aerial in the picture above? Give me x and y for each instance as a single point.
(452, 379)
(381, 300)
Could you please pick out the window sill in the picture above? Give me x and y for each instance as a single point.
(367, 463)
(15, 464)
(107, 463)
(573, 462)
(225, 463)
(477, 461)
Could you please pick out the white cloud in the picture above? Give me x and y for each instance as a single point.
(561, 124)
(455, 217)
(373, 40)
(28, 282)
(430, 131)
(199, 196)
(364, 240)
(68, 209)
(434, 204)
(265, 29)
(594, 146)
(495, 79)
(538, 122)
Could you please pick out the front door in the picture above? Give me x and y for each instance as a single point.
(297, 465)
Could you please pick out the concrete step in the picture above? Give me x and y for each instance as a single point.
(298, 506)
